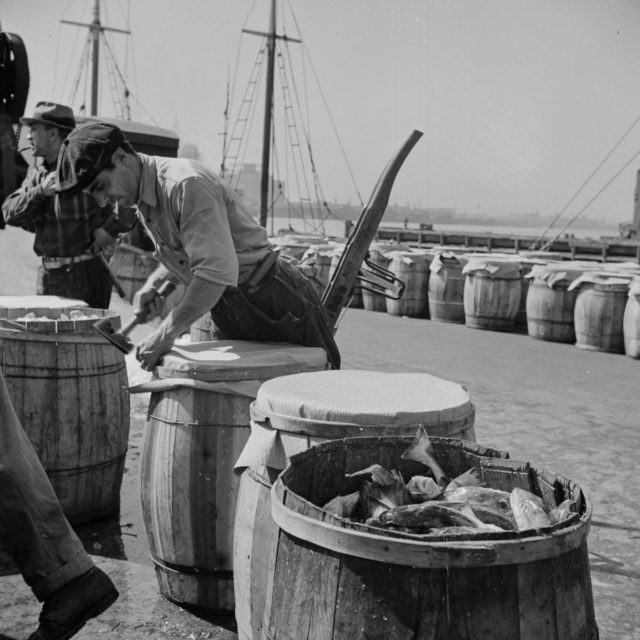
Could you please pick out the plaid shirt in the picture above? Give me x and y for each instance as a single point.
(63, 224)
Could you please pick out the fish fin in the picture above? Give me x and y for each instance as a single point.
(468, 478)
(377, 472)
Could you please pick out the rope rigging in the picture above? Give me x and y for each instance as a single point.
(582, 187)
(547, 245)
(291, 156)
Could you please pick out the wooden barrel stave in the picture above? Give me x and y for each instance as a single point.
(506, 586)
(255, 531)
(445, 293)
(189, 493)
(631, 327)
(491, 302)
(194, 436)
(598, 318)
(550, 312)
(414, 302)
(67, 386)
(203, 329)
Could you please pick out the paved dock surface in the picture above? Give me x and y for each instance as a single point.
(572, 411)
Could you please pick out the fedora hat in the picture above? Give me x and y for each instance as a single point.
(55, 115)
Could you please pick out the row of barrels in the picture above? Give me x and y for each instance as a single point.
(595, 305)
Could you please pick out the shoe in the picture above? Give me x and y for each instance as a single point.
(67, 610)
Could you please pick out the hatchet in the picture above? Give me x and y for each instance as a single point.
(119, 339)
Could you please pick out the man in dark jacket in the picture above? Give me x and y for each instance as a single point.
(70, 230)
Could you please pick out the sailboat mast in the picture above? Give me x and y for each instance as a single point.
(94, 29)
(268, 107)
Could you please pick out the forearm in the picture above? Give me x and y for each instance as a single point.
(24, 206)
(201, 296)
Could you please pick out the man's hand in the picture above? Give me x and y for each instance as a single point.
(146, 302)
(48, 185)
(102, 239)
(152, 348)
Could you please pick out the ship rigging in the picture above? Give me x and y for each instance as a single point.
(287, 159)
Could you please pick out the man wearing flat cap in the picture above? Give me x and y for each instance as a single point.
(70, 230)
(204, 238)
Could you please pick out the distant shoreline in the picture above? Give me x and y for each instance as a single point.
(437, 217)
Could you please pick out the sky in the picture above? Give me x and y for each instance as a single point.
(519, 101)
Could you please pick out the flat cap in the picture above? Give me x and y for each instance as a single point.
(85, 152)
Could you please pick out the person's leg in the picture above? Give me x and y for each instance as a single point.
(34, 530)
(284, 307)
(33, 527)
(87, 280)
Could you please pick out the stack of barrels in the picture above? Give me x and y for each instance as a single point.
(587, 304)
(594, 305)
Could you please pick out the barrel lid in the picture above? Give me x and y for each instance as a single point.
(225, 360)
(609, 280)
(39, 302)
(555, 273)
(363, 398)
(72, 320)
(446, 258)
(411, 256)
(495, 265)
(315, 250)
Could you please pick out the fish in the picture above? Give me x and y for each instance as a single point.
(491, 506)
(376, 472)
(469, 478)
(425, 515)
(376, 499)
(343, 506)
(468, 511)
(422, 451)
(528, 510)
(423, 488)
(454, 531)
(561, 511)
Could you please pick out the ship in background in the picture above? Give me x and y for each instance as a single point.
(286, 184)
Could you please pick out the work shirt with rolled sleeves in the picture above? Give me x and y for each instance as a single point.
(197, 222)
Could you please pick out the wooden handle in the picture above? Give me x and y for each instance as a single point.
(112, 276)
(338, 292)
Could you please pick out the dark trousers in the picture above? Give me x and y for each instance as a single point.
(33, 528)
(87, 280)
(282, 307)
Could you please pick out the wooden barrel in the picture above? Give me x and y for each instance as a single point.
(446, 287)
(550, 306)
(599, 311)
(198, 424)
(356, 300)
(132, 268)
(203, 329)
(68, 387)
(492, 292)
(292, 413)
(527, 264)
(412, 268)
(317, 259)
(631, 320)
(342, 579)
(371, 300)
